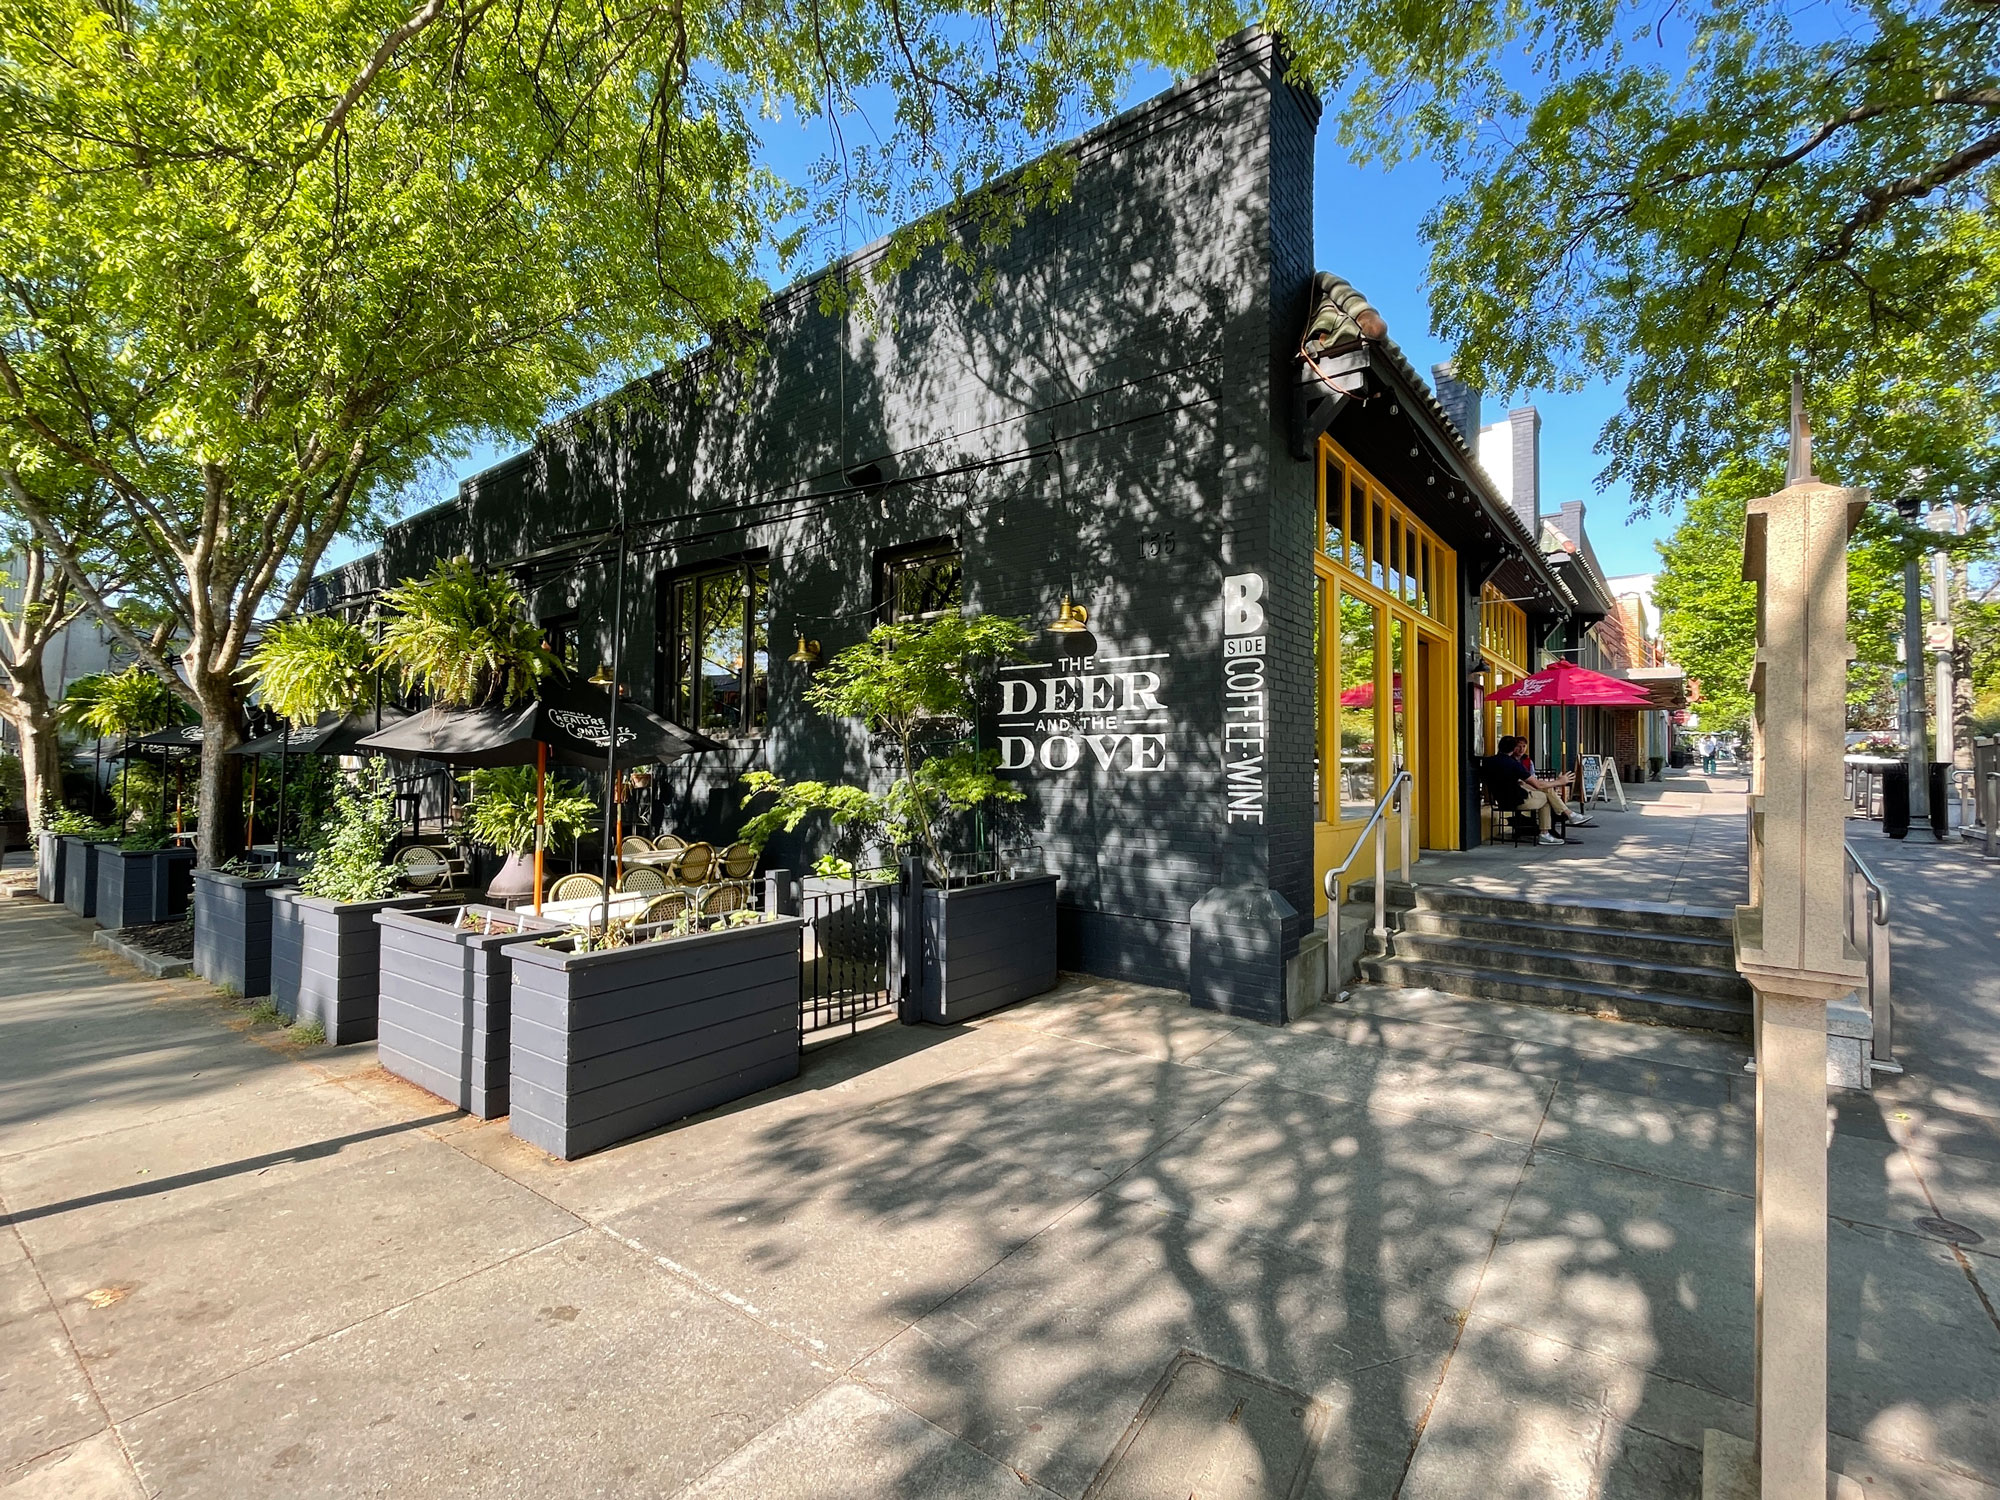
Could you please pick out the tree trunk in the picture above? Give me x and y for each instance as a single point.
(219, 835)
(34, 721)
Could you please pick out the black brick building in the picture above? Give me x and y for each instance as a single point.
(1118, 418)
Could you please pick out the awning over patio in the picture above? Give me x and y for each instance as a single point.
(1666, 685)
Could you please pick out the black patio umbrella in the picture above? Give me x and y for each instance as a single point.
(330, 734)
(175, 740)
(571, 718)
(570, 722)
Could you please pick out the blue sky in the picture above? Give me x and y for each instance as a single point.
(1365, 229)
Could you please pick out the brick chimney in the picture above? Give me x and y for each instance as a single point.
(1525, 492)
(1459, 400)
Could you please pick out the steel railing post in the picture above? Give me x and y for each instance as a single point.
(1880, 1003)
(1407, 820)
(1382, 880)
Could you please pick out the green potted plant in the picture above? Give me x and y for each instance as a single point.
(500, 813)
(126, 704)
(913, 685)
(325, 946)
(463, 638)
(68, 836)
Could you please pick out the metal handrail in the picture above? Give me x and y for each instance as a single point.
(1868, 917)
(1400, 782)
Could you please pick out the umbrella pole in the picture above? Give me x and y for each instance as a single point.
(162, 814)
(251, 842)
(284, 753)
(541, 814)
(611, 724)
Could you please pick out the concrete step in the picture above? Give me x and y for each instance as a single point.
(1550, 961)
(1616, 942)
(1653, 917)
(1698, 1012)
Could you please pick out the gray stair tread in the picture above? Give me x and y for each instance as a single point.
(1365, 890)
(1485, 945)
(1582, 987)
(1540, 927)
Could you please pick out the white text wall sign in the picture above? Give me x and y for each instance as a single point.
(1102, 711)
(1245, 713)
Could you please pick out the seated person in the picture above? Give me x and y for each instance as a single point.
(1555, 784)
(1511, 788)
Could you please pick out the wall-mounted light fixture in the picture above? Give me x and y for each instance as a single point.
(1071, 618)
(807, 654)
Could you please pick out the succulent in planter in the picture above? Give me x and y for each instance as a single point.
(912, 684)
(351, 861)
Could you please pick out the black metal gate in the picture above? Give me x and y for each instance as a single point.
(846, 952)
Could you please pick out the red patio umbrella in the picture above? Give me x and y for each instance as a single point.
(1363, 695)
(1565, 684)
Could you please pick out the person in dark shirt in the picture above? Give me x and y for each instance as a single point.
(1513, 788)
(1557, 788)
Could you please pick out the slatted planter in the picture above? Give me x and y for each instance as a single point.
(326, 961)
(79, 875)
(138, 887)
(443, 1021)
(986, 946)
(232, 930)
(51, 858)
(609, 1045)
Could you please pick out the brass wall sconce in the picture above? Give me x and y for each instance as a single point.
(1071, 618)
(807, 654)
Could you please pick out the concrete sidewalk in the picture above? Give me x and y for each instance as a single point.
(1420, 1247)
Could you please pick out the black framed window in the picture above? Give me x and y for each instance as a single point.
(717, 656)
(559, 634)
(920, 582)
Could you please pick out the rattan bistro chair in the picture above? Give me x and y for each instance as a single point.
(663, 911)
(692, 868)
(576, 887)
(423, 867)
(635, 843)
(737, 862)
(642, 880)
(669, 843)
(718, 900)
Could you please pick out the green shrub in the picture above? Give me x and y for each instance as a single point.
(351, 860)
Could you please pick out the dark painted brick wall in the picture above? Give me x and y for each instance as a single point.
(1120, 381)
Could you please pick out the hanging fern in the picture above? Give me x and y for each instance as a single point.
(313, 665)
(463, 638)
(127, 703)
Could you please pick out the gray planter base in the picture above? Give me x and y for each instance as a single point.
(606, 1046)
(986, 946)
(136, 889)
(232, 931)
(51, 859)
(443, 1019)
(326, 961)
(79, 875)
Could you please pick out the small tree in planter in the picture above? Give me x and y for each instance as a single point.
(913, 685)
(325, 946)
(501, 815)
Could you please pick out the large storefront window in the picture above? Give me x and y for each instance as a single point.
(921, 582)
(1503, 648)
(718, 657)
(1360, 668)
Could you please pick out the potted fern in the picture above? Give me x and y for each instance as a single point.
(125, 704)
(501, 813)
(980, 944)
(325, 946)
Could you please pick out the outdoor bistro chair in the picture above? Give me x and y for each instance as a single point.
(642, 880)
(692, 868)
(424, 867)
(635, 843)
(669, 843)
(731, 895)
(576, 887)
(737, 862)
(662, 911)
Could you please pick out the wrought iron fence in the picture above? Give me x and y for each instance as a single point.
(846, 949)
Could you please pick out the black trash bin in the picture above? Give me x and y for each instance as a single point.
(1896, 800)
(1940, 800)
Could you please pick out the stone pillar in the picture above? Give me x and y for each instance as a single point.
(1791, 946)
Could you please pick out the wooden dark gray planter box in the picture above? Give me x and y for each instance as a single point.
(443, 1017)
(137, 887)
(79, 875)
(51, 859)
(986, 946)
(609, 1045)
(326, 961)
(232, 930)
